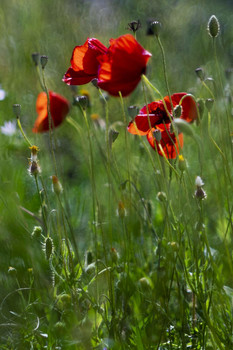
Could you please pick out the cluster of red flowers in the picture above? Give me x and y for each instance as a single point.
(154, 117)
(119, 69)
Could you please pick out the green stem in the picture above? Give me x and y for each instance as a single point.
(22, 132)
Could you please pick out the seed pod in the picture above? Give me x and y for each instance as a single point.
(17, 109)
(156, 27)
(43, 61)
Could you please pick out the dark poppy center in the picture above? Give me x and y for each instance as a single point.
(161, 115)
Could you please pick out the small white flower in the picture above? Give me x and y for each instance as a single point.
(9, 128)
(2, 94)
(199, 182)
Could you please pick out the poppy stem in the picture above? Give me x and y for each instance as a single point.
(165, 70)
(50, 123)
(22, 132)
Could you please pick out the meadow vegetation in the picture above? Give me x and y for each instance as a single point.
(107, 242)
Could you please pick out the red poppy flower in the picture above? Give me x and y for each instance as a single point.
(122, 66)
(157, 118)
(59, 108)
(84, 63)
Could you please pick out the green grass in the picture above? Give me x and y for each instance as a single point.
(130, 268)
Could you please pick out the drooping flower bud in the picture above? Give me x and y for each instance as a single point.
(200, 73)
(183, 126)
(133, 111)
(35, 58)
(112, 135)
(209, 102)
(95, 83)
(157, 135)
(57, 187)
(213, 26)
(177, 111)
(43, 61)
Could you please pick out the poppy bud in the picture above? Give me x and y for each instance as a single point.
(133, 111)
(182, 164)
(209, 104)
(113, 135)
(43, 61)
(200, 73)
(134, 25)
(156, 27)
(37, 231)
(48, 248)
(183, 126)
(35, 58)
(95, 82)
(177, 111)
(213, 26)
(157, 135)
(81, 101)
(57, 187)
(162, 197)
(17, 109)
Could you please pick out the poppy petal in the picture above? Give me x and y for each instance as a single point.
(59, 108)
(189, 108)
(122, 66)
(142, 123)
(84, 64)
(169, 143)
(73, 77)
